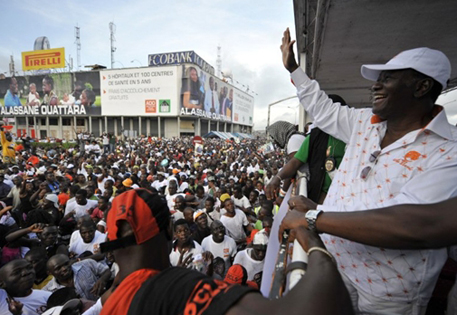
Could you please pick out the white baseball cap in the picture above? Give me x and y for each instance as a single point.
(260, 239)
(53, 198)
(432, 63)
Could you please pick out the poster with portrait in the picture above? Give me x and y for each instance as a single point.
(205, 95)
(51, 94)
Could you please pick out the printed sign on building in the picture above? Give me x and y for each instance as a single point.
(139, 91)
(43, 59)
(207, 96)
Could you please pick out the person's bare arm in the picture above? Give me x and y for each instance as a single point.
(287, 172)
(19, 235)
(321, 290)
(409, 226)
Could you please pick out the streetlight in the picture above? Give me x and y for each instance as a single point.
(136, 61)
(120, 63)
(277, 102)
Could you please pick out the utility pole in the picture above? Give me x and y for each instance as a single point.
(78, 48)
(12, 68)
(112, 29)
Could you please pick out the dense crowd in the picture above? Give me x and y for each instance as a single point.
(55, 201)
(100, 226)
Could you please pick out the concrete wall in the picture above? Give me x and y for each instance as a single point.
(171, 127)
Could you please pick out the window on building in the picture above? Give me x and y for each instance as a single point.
(53, 121)
(43, 121)
(66, 121)
(80, 122)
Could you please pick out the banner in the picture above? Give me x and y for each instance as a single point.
(207, 96)
(43, 59)
(139, 91)
(66, 91)
(243, 110)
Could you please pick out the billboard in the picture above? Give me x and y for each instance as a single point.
(139, 91)
(207, 96)
(243, 108)
(43, 59)
(52, 94)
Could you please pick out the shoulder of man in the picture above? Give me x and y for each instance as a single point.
(180, 291)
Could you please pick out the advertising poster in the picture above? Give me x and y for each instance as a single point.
(243, 109)
(139, 91)
(51, 94)
(207, 96)
(204, 95)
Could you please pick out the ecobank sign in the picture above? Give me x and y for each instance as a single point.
(176, 58)
(43, 59)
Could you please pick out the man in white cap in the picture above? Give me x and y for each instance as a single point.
(396, 153)
(253, 258)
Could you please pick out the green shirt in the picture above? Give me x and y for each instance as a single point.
(337, 148)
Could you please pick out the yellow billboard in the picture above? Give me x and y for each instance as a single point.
(43, 59)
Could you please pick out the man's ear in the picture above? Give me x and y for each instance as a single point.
(423, 87)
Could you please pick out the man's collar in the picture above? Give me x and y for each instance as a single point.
(439, 124)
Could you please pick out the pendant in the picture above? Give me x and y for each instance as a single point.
(330, 164)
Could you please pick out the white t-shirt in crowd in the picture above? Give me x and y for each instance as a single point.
(95, 309)
(183, 186)
(174, 255)
(241, 203)
(213, 216)
(171, 200)
(158, 185)
(3, 304)
(234, 226)
(81, 210)
(78, 246)
(252, 266)
(225, 249)
(101, 184)
(35, 303)
(177, 215)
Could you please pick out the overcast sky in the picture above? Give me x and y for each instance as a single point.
(249, 33)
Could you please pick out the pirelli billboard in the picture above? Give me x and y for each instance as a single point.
(43, 59)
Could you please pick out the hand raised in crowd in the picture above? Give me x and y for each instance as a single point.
(15, 307)
(185, 262)
(272, 188)
(98, 287)
(37, 227)
(287, 49)
(208, 257)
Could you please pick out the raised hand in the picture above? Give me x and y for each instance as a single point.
(287, 49)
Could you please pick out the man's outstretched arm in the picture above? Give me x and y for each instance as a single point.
(320, 291)
(408, 226)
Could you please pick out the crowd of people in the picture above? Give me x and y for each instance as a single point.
(55, 203)
(153, 225)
